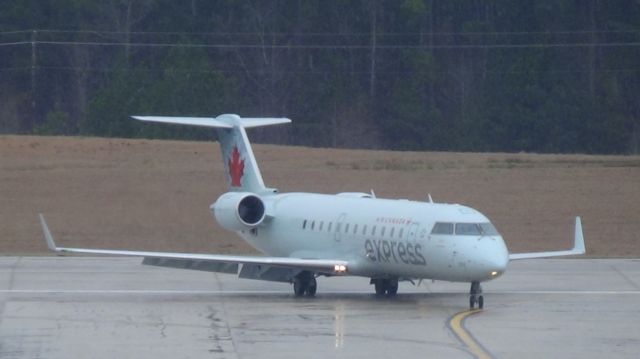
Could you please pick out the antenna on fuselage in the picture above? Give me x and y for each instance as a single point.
(429, 198)
(373, 194)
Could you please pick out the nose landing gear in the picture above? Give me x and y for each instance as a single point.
(475, 296)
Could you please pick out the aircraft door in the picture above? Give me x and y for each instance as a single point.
(413, 231)
(340, 224)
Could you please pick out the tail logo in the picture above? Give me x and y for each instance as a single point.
(236, 167)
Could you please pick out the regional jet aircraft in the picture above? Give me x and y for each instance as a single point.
(306, 235)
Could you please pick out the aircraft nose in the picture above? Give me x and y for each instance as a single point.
(497, 258)
(499, 262)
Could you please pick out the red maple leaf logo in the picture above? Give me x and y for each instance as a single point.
(236, 167)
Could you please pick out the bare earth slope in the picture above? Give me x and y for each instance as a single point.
(154, 195)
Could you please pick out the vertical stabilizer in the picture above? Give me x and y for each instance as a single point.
(241, 168)
(243, 173)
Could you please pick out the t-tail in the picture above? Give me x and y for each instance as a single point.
(240, 165)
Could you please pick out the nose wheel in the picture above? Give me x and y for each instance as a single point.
(475, 296)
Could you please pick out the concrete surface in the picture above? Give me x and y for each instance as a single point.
(85, 307)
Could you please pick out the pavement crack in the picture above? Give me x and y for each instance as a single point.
(13, 272)
(630, 281)
(10, 285)
(163, 328)
(217, 321)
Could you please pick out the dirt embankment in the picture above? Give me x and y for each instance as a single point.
(141, 194)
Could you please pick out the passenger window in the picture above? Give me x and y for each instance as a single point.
(338, 225)
(373, 231)
(304, 224)
(382, 231)
(392, 230)
(400, 234)
(321, 224)
(330, 225)
(442, 228)
(467, 229)
(355, 229)
(313, 224)
(346, 228)
(364, 230)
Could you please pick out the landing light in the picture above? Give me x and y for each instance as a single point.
(494, 273)
(340, 268)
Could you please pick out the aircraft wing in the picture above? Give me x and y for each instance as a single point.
(578, 247)
(329, 266)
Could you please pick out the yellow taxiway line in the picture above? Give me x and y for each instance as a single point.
(456, 324)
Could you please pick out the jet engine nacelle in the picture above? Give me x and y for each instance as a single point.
(237, 211)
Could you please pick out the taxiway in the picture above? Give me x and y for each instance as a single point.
(62, 307)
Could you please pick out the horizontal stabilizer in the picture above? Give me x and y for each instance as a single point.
(222, 121)
(578, 247)
(194, 121)
(248, 122)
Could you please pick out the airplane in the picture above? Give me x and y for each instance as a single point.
(307, 235)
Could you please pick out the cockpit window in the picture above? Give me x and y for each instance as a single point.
(488, 229)
(467, 229)
(442, 228)
(476, 229)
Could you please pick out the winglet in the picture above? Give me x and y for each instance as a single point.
(578, 241)
(47, 234)
(578, 247)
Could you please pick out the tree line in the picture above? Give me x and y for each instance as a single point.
(458, 75)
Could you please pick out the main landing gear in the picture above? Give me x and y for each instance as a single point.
(475, 296)
(385, 286)
(305, 283)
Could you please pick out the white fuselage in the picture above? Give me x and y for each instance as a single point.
(379, 237)
(305, 235)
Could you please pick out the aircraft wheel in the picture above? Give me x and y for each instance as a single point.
(299, 287)
(392, 287)
(381, 287)
(475, 295)
(312, 286)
